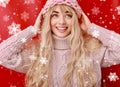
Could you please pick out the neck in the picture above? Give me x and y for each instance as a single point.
(61, 43)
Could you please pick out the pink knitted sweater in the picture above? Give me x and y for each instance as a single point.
(16, 51)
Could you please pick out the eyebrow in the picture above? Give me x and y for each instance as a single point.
(58, 12)
(55, 12)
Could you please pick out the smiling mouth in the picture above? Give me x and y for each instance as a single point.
(62, 30)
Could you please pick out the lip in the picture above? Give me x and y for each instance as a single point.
(61, 29)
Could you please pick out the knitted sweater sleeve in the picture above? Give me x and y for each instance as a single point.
(10, 49)
(110, 40)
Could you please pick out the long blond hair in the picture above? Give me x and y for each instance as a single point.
(39, 75)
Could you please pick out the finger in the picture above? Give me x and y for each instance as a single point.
(85, 19)
(38, 21)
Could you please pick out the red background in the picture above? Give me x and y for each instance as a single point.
(107, 15)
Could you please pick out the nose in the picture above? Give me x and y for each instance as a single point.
(62, 20)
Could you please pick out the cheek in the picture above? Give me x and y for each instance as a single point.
(70, 24)
(52, 23)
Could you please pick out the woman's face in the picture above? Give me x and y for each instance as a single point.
(61, 22)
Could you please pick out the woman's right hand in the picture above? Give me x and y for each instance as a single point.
(37, 24)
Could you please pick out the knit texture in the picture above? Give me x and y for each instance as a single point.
(72, 3)
(15, 53)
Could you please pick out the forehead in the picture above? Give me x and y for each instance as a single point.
(62, 8)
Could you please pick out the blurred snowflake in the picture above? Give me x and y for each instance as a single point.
(113, 77)
(103, 0)
(0, 38)
(118, 8)
(14, 28)
(4, 3)
(29, 1)
(13, 86)
(6, 18)
(95, 10)
(113, 17)
(24, 16)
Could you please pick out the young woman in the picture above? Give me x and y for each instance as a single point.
(69, 52)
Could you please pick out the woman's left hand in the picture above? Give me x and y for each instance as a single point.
(85, 22)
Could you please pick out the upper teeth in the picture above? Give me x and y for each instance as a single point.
(61, 28)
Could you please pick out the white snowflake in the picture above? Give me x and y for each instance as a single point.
(95, 10)
(32, 57)
(113, 76)
(23, 40)
(25, 16)
(43, 60)
(6, 18)
(118, 8)
(95, 33)
(14, 28)
(43, 76)
(4, 3)
(29, 1)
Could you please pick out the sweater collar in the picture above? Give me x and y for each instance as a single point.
(61, 43)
